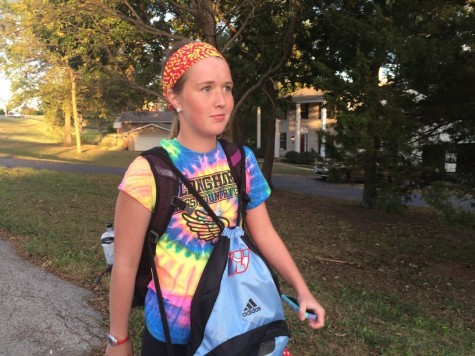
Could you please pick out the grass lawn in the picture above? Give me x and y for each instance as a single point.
(391, 284)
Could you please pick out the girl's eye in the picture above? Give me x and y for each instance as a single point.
(206, 89)
(228, 88)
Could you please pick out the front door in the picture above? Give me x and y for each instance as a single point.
(303, 143)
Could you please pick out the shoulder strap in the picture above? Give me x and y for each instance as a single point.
(166, 193)
(163, 155)
(237, 163)
(166, 188)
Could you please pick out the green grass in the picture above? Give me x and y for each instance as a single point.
(30, 139)
(391, 284)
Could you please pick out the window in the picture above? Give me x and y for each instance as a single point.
(304, 110)
(283, 140)
(330, 111)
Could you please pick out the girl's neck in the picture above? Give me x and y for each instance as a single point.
(201, 145)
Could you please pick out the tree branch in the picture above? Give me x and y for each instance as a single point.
(286, 51)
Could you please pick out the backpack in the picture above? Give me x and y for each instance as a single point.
(237, 282)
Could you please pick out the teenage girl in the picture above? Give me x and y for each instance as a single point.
(197, 84)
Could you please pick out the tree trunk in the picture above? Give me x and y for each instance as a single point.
(370, 190)
(77, 132)
(205, 16)
(67, 123)
(270, 133)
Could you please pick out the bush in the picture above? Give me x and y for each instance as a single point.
(306, 158)
(291, 156)
(259, 152)
(438, 196)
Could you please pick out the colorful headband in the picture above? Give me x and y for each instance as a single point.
(182, 60)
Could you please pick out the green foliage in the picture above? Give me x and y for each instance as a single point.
(422, 47)
(307, 157)
(291, 156)
(439, 195)
(2, 112)
(426, 50)
(258, 152)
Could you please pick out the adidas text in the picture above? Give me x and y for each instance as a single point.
(251, 311)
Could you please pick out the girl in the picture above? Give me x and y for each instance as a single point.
(197, 84)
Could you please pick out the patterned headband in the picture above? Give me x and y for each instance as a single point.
(182, 60)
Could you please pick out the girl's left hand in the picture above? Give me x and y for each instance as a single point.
(308, 302)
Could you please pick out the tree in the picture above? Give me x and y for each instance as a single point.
(63, 38)
(258, 60)
(377, 126)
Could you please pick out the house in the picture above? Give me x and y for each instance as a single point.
(298, 131)
(143, 130)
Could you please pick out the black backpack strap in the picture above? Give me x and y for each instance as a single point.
(236, 157)
(166, 187)
(189, 186)
(161, 303)
(166, 184)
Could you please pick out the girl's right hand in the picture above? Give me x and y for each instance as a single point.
(121, 350)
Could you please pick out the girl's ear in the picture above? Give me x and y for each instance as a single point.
(173, 99)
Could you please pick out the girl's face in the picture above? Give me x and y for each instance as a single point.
(205, 102)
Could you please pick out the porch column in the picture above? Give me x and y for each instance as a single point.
(297, 127)
(278, 123)
(324, 128)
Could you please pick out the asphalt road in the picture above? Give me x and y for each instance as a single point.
(302, 184)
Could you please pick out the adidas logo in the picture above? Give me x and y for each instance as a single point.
(251, 308)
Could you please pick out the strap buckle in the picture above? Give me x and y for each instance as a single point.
(153, 236)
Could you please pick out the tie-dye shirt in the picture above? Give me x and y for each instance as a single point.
(182, 252)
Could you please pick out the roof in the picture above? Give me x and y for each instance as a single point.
(307, 95)
(146, 117)
(164, 126)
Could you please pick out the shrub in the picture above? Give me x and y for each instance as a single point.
(306, 157)
(259, 152)
(291, 156)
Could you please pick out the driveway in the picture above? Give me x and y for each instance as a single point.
(41, 314)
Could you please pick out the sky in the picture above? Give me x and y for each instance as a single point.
(4, 88)
(4, 91)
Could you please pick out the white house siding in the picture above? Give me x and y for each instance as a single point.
(308, 128)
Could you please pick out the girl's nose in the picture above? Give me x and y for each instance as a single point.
(219, 98)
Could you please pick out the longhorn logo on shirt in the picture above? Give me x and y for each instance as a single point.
(238, 261)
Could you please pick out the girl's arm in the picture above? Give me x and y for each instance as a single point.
(130, 225)
(276, 253)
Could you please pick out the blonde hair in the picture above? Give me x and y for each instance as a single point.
(175, 127)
